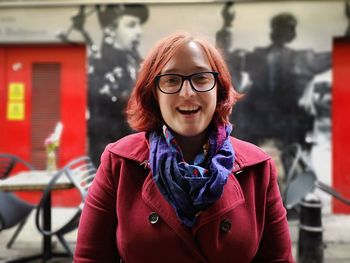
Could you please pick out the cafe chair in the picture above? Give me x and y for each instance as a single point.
(10, 161)
(13, 210)
(80, 172)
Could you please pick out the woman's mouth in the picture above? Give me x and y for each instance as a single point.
(188, 110)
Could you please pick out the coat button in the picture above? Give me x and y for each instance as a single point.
(153, 218)
(225, 225)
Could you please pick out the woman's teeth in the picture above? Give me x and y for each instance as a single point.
(188, 110)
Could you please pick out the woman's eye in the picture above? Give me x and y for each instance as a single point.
(172, 81)
(201, 78)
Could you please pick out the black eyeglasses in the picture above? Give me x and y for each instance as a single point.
(200, 82)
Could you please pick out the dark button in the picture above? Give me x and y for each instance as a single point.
(153, 218)
(225, 225)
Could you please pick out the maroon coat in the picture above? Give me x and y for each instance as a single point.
(126, 218)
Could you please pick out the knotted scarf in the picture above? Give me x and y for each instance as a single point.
(191, 188)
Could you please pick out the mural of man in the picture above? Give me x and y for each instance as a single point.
(274, 112)
(112, 71)
(278, 77)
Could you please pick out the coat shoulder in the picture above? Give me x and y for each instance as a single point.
(133, 146)
(247, 153)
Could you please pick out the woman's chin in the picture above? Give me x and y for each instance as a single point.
(189, 132)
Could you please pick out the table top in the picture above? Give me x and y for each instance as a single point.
(36, 180)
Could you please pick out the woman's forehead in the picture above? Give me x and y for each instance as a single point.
(188, 57)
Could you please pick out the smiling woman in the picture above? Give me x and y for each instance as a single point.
(179, 187)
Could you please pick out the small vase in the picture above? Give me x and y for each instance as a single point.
(51, 161)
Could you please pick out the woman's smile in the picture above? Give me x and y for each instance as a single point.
(188, 110)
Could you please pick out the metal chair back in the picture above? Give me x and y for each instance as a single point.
(81, 173)
(13, 210)
(8, 162)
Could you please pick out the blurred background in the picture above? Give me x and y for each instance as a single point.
(75, 63)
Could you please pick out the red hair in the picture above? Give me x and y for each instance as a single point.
(143, 111)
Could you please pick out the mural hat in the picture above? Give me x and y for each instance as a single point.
(108, 14)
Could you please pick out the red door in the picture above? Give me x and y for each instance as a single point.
(41, 85)
(341, 123)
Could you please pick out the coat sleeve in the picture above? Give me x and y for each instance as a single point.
(275, 244)
(97, 228)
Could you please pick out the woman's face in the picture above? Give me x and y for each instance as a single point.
(128, 32)
(188, 113)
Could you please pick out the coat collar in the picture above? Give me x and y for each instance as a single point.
(135, 147)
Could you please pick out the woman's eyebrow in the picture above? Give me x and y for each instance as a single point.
(197, 68)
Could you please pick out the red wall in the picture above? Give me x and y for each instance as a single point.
(16, 134)
(341, 122)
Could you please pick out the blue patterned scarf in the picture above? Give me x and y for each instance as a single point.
(191, 188)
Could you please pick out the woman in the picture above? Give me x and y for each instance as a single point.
(183, 190)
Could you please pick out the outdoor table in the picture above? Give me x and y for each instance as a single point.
(37, 181)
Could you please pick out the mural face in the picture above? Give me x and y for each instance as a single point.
(128, 32)
(281, 62)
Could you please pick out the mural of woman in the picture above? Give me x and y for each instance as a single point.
(112, 70)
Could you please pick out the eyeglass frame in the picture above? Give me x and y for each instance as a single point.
(186, 77)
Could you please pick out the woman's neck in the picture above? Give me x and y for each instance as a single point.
(191, 145)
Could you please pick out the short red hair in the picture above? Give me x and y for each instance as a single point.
(143, 111)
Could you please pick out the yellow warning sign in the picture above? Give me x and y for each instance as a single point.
(15, 111)
(16, 91)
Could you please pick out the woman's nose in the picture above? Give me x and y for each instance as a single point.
(186, 90)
